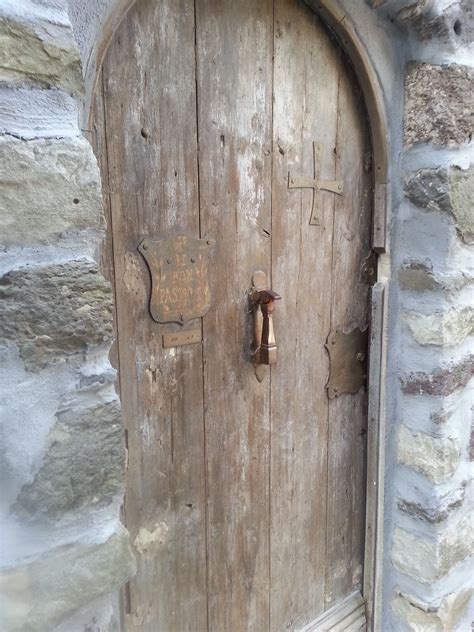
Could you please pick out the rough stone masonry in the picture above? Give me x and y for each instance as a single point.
(64, 551)
(431, 535)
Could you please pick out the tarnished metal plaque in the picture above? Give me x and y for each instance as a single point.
(347, 361)
(180, 338)
(179, 277)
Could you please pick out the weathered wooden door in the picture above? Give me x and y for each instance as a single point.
(245, 498)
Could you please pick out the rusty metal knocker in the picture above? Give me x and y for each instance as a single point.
(262, 301)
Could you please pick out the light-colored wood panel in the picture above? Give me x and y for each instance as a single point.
(150, 111)
(234, 61)
(349, 299)
(306, 88)
(262, 517)
(346, 616)
(99, 144)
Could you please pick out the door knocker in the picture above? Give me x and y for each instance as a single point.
(262, 301)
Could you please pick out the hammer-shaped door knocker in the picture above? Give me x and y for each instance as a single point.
(262, 301)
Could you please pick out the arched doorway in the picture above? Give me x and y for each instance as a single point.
(246, 487)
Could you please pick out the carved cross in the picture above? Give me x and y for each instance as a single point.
(304, 182)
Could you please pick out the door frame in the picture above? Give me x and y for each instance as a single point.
(340, 24)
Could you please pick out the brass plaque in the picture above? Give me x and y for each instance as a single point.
(179, 277)
(180, 338)
(347, 361)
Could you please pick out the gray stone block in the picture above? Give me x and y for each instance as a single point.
(55, 311)
(443, 615)
(438, 104)
(38, 48)
(449, 190)
(435, 457)
(442, 381)
(84, 464)
(428, 560)
(38, 596)
(436, 509)
(441, 328)
(47, 187)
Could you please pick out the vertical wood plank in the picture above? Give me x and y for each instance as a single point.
(306, 88)
(349, 309)
(150, 111)
(234, 61)
(99, 145)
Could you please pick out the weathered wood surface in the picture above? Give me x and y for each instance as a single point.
(306, 87)
(349, 308)
(245, 499)
(234, 61)
(150, 110)
(373, 585)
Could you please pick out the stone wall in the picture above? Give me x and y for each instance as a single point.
(64, 551)
(430, 539)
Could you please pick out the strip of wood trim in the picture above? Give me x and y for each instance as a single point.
(347, 616)
(343, 28)
(375, 462)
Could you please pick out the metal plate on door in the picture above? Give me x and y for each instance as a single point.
(181, 338)
(347, 361)
(179, 277)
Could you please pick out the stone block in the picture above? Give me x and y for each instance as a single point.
(55, 312)
(461, 189)
(30, 113)
(453, 23)
(37, 47)
(47, 187)
(39, 595)
(100, 616)
(434, 457)
(449, 190)
(444, 615)
(437, 508)
(447, 328)
(418, 275)
(438, 104)
(84, 464)
(443, 381)
(427, 560)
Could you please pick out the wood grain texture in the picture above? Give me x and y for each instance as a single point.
(245, 499)
(349, 308)
(150, 112)
(306, 87)
(234, 61)
(373, 586)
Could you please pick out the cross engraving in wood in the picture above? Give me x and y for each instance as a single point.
(305, 182)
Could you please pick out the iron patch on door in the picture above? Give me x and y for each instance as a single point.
(347, 361)
(179, 277)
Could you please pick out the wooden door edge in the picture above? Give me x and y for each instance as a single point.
(373, 562)
(347, 616)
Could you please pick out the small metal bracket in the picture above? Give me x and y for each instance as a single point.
(347, 361)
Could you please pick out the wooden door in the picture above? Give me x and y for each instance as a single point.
(245, 497)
